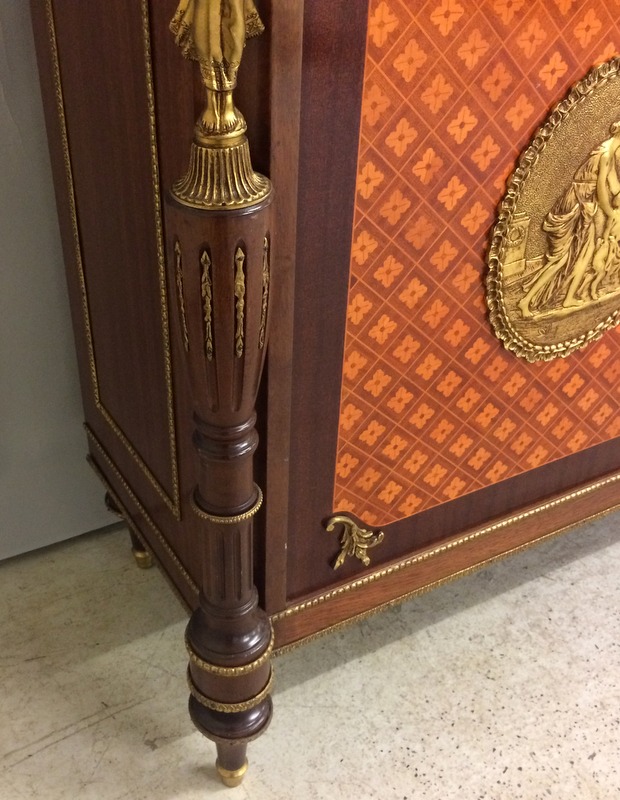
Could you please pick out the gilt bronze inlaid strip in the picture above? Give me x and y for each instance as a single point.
(265, 300)
(178, 273)
(239, 301)
(207, 303)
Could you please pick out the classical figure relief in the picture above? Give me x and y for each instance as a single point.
(213, 33)
(554, 261)
(582, 260)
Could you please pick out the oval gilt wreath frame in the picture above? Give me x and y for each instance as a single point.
(498, 313)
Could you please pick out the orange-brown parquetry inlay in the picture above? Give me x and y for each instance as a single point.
(432, 407)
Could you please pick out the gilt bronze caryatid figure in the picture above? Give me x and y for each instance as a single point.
(213, 33)
(220, 173)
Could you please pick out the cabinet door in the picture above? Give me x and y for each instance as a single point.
(408, 414)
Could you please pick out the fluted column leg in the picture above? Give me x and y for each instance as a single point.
(221, 263)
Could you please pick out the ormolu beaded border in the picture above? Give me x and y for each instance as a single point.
(437, 551)
(233, 520)
(161, 249)
(229, 708)
(422, 590)
(230, 672)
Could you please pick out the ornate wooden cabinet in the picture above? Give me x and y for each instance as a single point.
(397, 442)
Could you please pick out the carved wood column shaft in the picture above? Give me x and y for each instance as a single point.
(221, 263)
(219, 223)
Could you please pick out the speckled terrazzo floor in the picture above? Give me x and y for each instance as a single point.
(504, 685)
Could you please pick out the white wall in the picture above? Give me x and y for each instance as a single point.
(47, 491)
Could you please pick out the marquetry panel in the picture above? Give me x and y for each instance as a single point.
(432, 406)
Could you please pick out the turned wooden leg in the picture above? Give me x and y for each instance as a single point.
(219, 218)
(221, 264)
(143, 558)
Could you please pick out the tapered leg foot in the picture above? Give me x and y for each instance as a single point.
(232, 778)
(232, 763)
(143, 558)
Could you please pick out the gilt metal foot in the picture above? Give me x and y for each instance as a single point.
(232, 778)
(143, 558)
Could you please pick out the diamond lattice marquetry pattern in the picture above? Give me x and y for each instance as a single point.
(432, 407)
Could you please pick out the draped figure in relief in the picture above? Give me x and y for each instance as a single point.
(582, 260)
(213, 33)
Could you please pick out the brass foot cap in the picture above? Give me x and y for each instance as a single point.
(232, 778)
(143, 559)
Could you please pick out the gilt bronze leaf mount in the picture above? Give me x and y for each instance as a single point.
(355, 541)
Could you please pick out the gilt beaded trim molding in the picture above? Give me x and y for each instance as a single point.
(442, 549)
(233, 520)
(230, 672)
(229, 708)
(363, 615)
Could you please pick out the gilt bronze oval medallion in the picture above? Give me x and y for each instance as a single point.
(553, 283)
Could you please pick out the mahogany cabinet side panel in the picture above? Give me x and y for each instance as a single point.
(97, 65)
